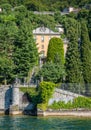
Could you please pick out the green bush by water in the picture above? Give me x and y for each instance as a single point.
(79, 102)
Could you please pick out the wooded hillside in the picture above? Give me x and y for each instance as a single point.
(52, 5)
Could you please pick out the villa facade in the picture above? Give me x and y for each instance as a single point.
(42, 35)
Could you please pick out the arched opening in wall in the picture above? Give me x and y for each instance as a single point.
(26, 98)
(29, 108)
(27, 103)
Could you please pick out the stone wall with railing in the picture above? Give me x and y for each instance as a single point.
(12, 98)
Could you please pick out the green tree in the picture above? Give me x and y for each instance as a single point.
(89, 24)
(86, 55)
(6, 8)
(57, 16)
(15, 2)
(55, 49)
(34, 5)
(83, 14)
(52, 72)
(71, 23)
(20, 13)
(8, 31)
(73, 63)
(51, 5)
(6, 70)
(26, 55)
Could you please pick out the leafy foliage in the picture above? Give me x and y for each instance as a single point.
(83, 14)
(17, 47)
(6, 69)
(55, 50)
(71, 25)
(16, 38)
(42, 106)
(73, 62)
(86, 55)
(26, 55)
(7, 37)
(46, 91)
(40, 97)
(79, 102)
(32, 93)
(89, 24)
(52, 72)
(46, 5)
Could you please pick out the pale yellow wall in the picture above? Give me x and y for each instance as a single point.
(65, 48)
(39, 43)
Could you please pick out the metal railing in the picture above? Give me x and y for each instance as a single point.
(83, 89)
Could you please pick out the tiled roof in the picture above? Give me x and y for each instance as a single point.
(44, 30)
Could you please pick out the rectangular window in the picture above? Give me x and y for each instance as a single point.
(42, 38)
(49, 37)
(42, 47)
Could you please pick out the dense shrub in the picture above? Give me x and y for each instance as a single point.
(55, 50)
(42, 106)
(46, 90)
(52, 72)
(79, 102)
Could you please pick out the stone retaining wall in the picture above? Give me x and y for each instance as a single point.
(62, 95)
(65, 113)
(5, 97)
(12, 98)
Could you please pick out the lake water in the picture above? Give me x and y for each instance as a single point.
(46, 123)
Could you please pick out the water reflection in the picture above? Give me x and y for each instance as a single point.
(48, 123)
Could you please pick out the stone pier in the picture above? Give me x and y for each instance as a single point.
(14, 108)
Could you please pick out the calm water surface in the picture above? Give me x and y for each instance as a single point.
(47, 123)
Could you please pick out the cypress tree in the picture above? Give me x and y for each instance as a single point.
(89, 23)
(86, 55)
(73, 63)
(54, 70)
(55, 50)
